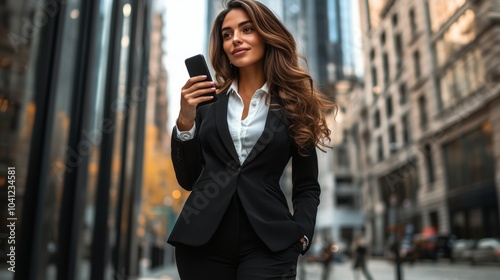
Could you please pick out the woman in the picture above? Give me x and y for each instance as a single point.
(231, 154)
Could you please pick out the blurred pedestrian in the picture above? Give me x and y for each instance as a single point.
(236, 223)
(327, 259)
(360, 258)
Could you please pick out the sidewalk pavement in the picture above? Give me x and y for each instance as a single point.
(380, 269)
(168, 272)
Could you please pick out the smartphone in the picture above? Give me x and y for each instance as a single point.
(196, 66)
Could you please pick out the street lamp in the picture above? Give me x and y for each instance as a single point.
(393, 201)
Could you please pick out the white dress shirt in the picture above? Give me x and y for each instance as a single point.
(244, 133)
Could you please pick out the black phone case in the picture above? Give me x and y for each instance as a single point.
(196, 66)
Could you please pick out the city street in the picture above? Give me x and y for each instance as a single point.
(382, 270)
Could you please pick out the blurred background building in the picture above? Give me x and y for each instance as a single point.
(327, 35)
(427, 118)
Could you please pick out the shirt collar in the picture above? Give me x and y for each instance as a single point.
(234, 88)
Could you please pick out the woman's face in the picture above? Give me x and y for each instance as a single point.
(242, 44)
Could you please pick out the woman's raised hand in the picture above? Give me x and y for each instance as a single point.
(191, 96)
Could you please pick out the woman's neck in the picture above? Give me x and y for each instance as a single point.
(250, 80)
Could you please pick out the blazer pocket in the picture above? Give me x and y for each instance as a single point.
(277, 194)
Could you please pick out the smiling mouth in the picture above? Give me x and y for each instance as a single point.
(239, 52)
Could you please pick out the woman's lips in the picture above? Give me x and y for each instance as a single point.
(239, 52)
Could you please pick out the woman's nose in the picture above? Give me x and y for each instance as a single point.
(236, 38)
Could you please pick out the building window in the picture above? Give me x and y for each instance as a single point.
(402, 94)
(380, 149)
(372, 55)
(406, 130)
(416, 64)
(422, 104)
(375, 87)
(388, 106)
(393, 145)
(398, 46)
(428, 163)
(346, 201)
(385, 59)
(394, 20)
(469, 159)
(382, 38)
(433, 217)
(413, 22)
(345, 134)
(367, 144)
(343, 157)
(356, 139)
(377, 118)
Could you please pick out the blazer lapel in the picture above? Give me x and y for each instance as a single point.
(222, 126)
(273, 124)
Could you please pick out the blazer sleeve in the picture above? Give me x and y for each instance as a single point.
(306, 190)
(186, 157)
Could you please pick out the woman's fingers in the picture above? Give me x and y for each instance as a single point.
(194, 88)
(192, 94)
(194, 80)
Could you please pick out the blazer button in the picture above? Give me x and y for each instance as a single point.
(233, 166)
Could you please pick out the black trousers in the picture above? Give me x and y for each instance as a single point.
(235, 252)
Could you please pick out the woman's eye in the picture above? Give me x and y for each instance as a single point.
(226, 35)
(247, 29)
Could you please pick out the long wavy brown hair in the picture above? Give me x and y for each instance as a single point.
(304, 106)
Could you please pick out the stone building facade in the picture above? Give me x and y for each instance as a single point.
(426, 123)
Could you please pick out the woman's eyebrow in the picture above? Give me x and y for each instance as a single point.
(239, 25)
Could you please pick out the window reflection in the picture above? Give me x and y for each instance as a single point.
(95, 132)
(17, 106)
(119, 108)
(21, 70)
(59, 139)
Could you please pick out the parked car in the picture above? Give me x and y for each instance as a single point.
(487, 250)
(462, 249)
(434, 247)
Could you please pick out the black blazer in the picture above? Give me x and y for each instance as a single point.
(208, 166)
